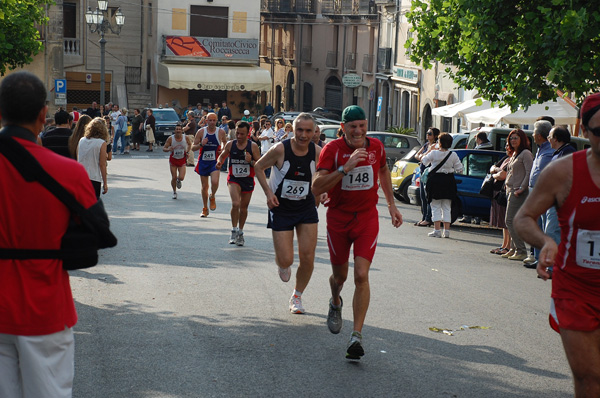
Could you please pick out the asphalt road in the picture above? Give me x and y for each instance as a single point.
(175, 311)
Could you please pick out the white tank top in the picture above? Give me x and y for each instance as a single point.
(88, 154)
(178, 147)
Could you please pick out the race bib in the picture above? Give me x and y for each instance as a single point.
(240, 170)
(588, 249)
(294, 190)
(178, 153)
(209, 155)
(359, 179)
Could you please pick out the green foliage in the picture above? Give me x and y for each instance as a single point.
(402, 131)
(517, 52)
(19, 37)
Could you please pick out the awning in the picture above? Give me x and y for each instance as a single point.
(214, 77)
(461, 108)
(560, 110)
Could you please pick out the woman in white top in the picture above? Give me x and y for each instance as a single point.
(91, 153)
(441, 185)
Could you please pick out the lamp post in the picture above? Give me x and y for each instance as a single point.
(98, 22)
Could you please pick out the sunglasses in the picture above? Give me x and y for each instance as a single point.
(429, 133)
(595, 131)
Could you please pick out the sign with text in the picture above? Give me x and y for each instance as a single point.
(406, 74)
(211, 47)
(351, 80)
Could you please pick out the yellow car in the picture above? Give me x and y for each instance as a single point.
(402, 173)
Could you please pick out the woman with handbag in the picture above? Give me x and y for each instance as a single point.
(431, 144)
(92, 154)
(498, 208)
(441, 185)
(516, 183)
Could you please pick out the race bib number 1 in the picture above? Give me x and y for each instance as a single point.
(359, 179)
(294, 190)
(209, 155)
(588, 249)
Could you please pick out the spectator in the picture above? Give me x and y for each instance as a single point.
(78, 133)
(92, 150)
(269, 111)
(432, 138)
(57, 139)
(482, 141)
(224, 111)
(498, 210)
(517, 183)
(136, 129)
(38, 312)
(247, 117)
(93, 110)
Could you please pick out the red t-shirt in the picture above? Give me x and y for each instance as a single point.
(577, 263)
(35, 295)
(357, 191)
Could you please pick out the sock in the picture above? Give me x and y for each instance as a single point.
(297, 293)
(241, 231)
(234, 229)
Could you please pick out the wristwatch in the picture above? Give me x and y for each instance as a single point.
(341, 170)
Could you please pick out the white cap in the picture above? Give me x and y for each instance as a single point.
(246, 112)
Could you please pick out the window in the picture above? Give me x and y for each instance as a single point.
(477, 165)
(70, 20)
(206, 21)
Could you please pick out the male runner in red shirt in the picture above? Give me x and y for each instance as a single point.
(348, 170)
(575, 305)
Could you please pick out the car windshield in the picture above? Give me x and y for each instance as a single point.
(165, 115)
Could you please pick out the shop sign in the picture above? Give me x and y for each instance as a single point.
(211, 47)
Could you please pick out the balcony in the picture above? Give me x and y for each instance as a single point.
(288, 6)
(350, 62)
(367, 66)
(72, 46)
(263, 49)
(277, 50)
(331, 60)
(289, 54)
(349, 8)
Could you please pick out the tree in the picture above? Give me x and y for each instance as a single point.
(517, 52)
(19, 37)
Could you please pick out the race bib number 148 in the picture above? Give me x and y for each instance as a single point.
(359, 179)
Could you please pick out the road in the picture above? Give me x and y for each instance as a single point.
(175, 311)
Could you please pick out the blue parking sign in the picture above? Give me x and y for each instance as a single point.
(60, 86)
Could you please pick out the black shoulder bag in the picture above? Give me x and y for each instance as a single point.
(88, 230)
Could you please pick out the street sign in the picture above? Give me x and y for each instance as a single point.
(61, 95)
(379, 102)
(351, 80)
(60, 86)
(60, 101)
(88, 78)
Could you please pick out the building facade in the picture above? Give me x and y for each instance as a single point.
(207, 53)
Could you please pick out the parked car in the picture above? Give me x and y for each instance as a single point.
(459, 140)
(396, 145)
(166, 120)
(330, 131)
(402, 173)
(476, 164)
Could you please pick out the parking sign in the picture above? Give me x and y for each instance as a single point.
(60, 86)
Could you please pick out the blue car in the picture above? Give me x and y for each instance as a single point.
(476, 164)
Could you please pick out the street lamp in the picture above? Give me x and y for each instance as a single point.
(98, 21)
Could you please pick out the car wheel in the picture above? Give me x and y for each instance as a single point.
(398, 196)
(403, 190)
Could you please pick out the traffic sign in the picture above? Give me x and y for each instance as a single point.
(379, 102)
(351, 80)
(60, 101)
(60, 86)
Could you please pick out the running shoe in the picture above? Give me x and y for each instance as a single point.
(178, 183)
(239, 241)
(436, 233)
(213, 202)
(446, 234)
(334, 317)
(204, 212)
(296, 306)
(285, 273)
(355, 349)
(174, 195)
(234, 235)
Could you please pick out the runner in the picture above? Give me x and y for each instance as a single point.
(348, 168)
(242, 154)
(292, 204)
(211, 140)
(178, 144)
(572, 183)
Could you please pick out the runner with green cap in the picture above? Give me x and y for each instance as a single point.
(348, 170)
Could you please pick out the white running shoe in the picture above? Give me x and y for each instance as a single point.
(285, 273)
(239, 241)
(178, 183)
(436, 233)
(234, 235)
(446, 234)
(296, 305)
(174, 195)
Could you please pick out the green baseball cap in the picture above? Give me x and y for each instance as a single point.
(352, 113)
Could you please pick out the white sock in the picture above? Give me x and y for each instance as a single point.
(234, 229)
(241, 231)
(297, 293)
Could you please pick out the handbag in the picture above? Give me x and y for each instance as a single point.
(487, 186)
(88, 230)
(501, 197)
(429, 170)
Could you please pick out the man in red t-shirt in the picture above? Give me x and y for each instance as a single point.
(37, 311)
(349, 169)
(575, 306)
